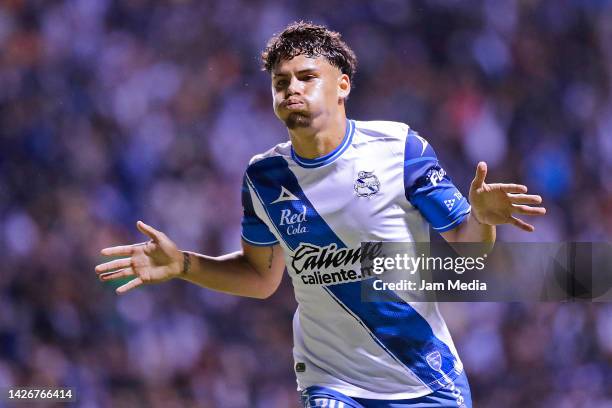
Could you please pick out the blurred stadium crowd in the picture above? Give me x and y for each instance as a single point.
(114, 111)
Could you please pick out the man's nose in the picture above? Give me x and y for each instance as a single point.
(294, 87)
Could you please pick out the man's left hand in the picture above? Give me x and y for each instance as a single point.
(496, 203)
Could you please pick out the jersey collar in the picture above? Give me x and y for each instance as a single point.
(331, 156)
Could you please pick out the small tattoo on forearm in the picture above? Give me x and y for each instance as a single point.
(186, 263)
(270, 260)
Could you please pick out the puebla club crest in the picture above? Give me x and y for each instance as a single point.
(367, 184)
(434, 360)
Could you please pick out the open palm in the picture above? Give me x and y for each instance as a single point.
(154, 261)
(496, 203)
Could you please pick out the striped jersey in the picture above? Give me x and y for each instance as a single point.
(382, 183)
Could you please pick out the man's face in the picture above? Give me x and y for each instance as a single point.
(307, 89)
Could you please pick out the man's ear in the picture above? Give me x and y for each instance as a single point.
(344, 86)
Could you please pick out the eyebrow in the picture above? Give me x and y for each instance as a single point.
(302, 71)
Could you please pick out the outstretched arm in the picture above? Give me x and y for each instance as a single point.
(494, 204)
(256, 271)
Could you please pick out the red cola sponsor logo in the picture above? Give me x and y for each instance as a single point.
(293, 221)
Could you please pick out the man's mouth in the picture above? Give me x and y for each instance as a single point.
(293, 104)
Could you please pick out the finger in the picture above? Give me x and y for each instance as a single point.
(522, 224)
(149, 231)
(511, 188)
(114, 264)
(525, 199)
(123, 250)
(527, 210)
(481, 174)
(134, 283)
(121, 273)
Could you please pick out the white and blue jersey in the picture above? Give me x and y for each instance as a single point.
(382, 183)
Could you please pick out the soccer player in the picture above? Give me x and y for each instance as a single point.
(308, 204)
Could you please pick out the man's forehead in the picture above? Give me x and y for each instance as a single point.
(301, 63)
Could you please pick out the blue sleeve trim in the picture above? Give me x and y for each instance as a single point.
(428, 188)
(419, 157)
(455, 223)
(254, 230)
(259, 243)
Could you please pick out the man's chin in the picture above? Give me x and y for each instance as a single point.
(298, 120)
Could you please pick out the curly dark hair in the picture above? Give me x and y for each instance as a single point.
(312, 40)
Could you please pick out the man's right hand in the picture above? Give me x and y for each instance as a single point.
(154, 261)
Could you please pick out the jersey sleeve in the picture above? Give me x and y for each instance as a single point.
(254, 230)
(429, 188)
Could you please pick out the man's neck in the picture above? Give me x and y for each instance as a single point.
(312, 143)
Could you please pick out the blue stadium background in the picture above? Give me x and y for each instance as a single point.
(113, 111)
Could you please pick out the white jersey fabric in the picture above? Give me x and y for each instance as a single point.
(382, 183)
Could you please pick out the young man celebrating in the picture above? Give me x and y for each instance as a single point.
(308, 205)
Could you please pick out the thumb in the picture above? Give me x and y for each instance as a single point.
(149, 231)
(481, 173)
